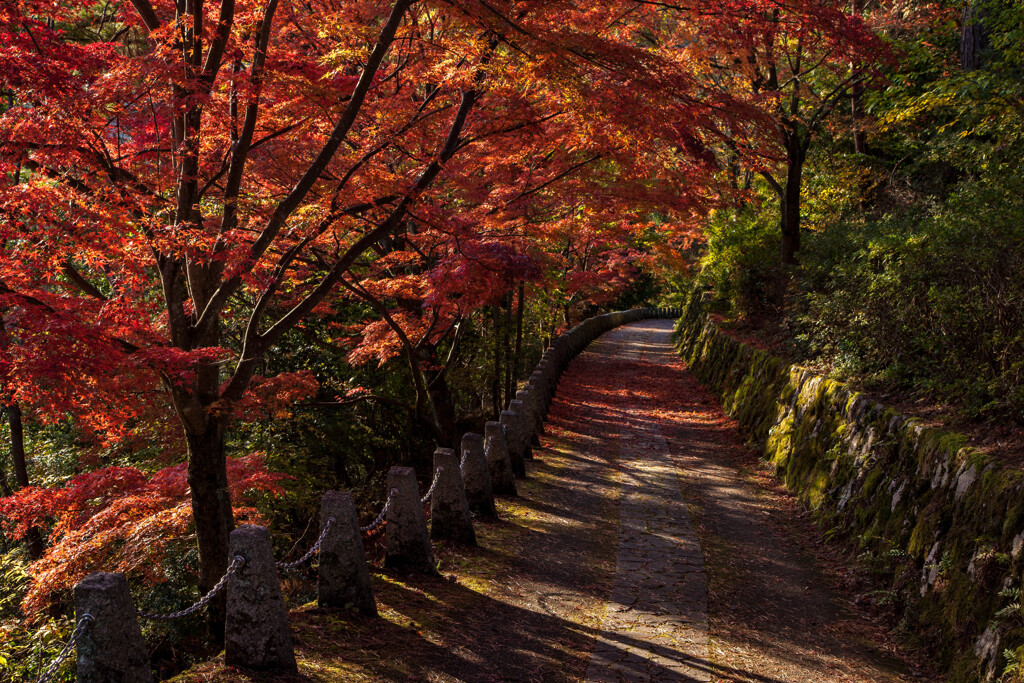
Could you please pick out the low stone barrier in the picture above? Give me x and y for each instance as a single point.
(942, 524)
(108, 639)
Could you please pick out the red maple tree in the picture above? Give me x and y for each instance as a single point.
(185, 183)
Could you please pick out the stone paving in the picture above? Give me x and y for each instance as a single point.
(656, 628)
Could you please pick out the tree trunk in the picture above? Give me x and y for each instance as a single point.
(444, 411)
(506, 344)
(518, 354)
(860, 138)
(33, 538)
(211, 509)
(496, 376)
(973, 36)
(18, 446)
(208, 482)
(790, 214)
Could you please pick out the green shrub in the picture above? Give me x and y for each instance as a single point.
(741, 261)
(930, 298)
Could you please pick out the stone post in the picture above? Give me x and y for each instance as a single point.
(407, 541)
(475, 476)
(112, 648)
(523, 423)
(343, 578)
(537, 389)
(256, 633)
(529, 398)
(498, 463)
(449, 510)
(550, 377)
(513, 443)
(538, 380)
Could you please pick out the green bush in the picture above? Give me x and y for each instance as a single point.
(930, 298)
(741, 261)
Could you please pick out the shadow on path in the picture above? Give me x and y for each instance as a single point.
(530, 604)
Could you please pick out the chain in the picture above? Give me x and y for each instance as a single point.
(312, 551)
(462, 463)
(55, 665)
(375, 524)
(235, 565)
(433, 485)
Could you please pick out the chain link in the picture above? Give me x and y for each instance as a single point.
(312, 551)
(55, 665)
(433, 485)
(235, 565)
(375, 524)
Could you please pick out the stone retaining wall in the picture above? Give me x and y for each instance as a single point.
(940, 524)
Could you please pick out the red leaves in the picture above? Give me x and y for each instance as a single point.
(271, 397)
(116, 519)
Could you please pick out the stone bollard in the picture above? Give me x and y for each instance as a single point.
(513, 443)
(498, 463)
(111, 648)
(256, 633)
(529, 398)
(344, 578)
(476, 478)
(548, 375)
(538, 406)
(538, 380)
(449, 510)
(523, 424)
(407, 542)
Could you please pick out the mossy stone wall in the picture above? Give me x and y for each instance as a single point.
(941, 524)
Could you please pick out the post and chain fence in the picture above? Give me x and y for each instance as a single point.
(312, 551)
(376, 523)
(66, 651)
(433, 485)
(236, 564)
(574, 341)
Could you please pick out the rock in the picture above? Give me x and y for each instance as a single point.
(111, 648)
(343, 577)
(498, 463)
(407, 541)
(524, 422)
(534, 421)
(514, 444)
(476, 477)
(256, 634)
(449, 510)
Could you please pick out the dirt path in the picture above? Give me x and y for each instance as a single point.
(639, 549)
(772, 615)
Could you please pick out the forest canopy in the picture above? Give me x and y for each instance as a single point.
(244, 244)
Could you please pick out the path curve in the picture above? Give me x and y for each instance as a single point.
(641, 548)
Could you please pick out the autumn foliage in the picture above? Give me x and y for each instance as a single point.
(117, 519)
(189, 192)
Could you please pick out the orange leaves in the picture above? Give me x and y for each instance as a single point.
(116, 519)
(271, 397)
(382, 342)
